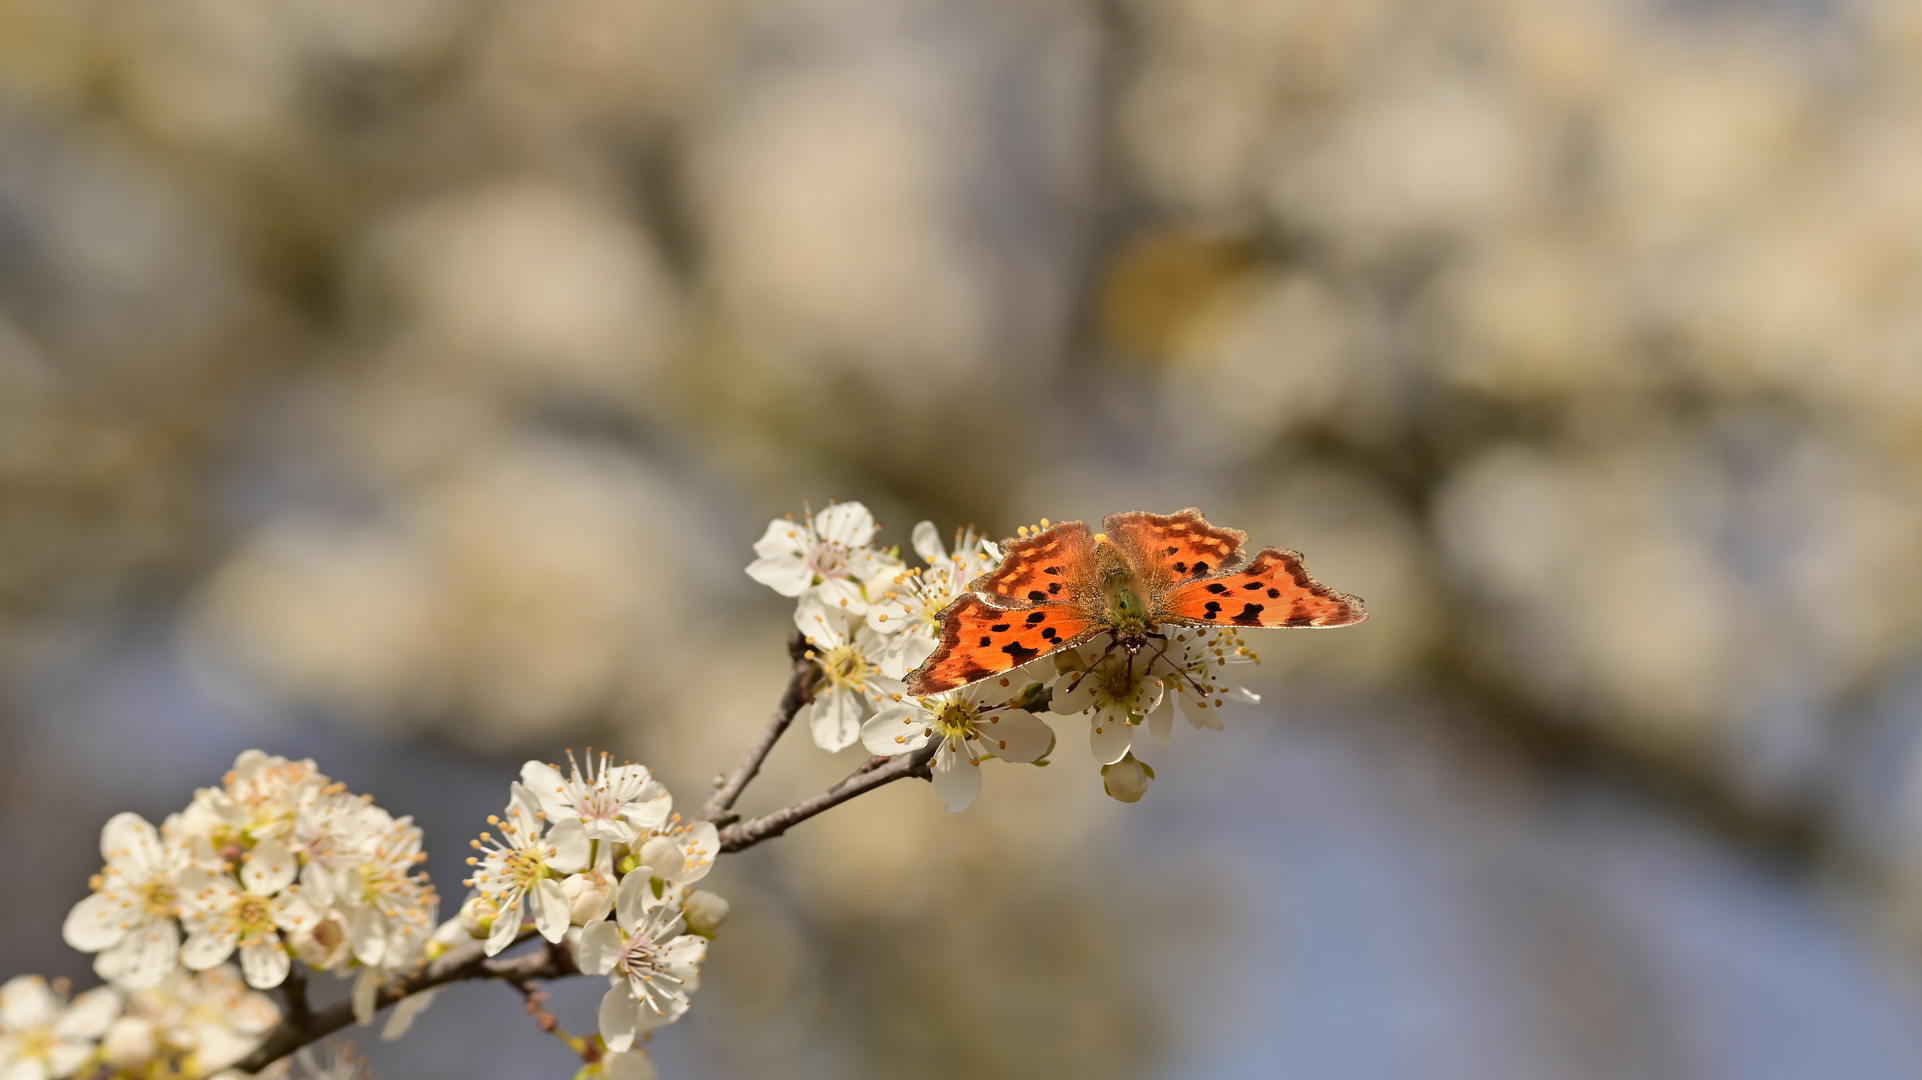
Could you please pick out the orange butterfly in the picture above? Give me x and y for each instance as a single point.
(1065, 586)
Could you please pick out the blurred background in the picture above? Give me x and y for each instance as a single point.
(403, 382)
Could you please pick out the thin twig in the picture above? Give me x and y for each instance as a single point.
(872, 774)
(800, 692)
(461, 963)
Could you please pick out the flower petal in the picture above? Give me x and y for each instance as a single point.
(619, 1016)
(700, 842)
(927, 544)
(899, 730)
(127, 841)
(1161, 720)
(144, 957)
(546, 782)
(98, 922)
(90, 1014)
(599, 947)
(405, 1010)
(835, 720)
(1109, 736)
(848, 524)
(629, 1065)
(507, 926)
(843, 594)
(785, 574)
(552, 912)
(630, 898)
(208, 946)
(269, 868)
(782, 537)
(571, 847)
(26, 1001)
(957, 779)
(1014, 734)
(264, 962)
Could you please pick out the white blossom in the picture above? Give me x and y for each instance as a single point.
(390, 910)
(132, 918)
(1115, 694)
(681, 854)
(825, 557)
(42, 1036)
(650, 963)
(206, 1020)
(222, 916)
(1192, 669)
(614, 803)
(907, 611)
(525, 867)
(257, 799)
(972, 724)
(852, 684)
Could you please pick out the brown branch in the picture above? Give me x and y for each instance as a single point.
(461, 963)
(467, 962)
(872, 774)
(800, 692)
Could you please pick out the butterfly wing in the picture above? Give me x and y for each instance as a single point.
(1168, 550)
(1272, 590)
(979, 640)
(1055, 565)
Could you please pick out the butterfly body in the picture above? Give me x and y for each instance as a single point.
(1067, 585)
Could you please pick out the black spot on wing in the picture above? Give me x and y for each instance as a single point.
(1274, 594)
(1037, 616)
(1181, 568)
(999, 628)
(1037, 594)
(1021, 653)
(1250, 615)
(1217, 588)
(1213, 607)
(1049, 633)
(986, 641)
(1252, 585)
(1201, 568)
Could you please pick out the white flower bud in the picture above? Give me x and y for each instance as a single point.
(130, 1043)
(1127, 779)
(705, 912)
(477, 915)
(323, 946)
(590, 895)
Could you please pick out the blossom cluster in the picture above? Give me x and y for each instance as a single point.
(869, 619)
(188, 921)
(596, 857)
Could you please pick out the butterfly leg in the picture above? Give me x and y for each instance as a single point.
(1112, 642)
(1162, 652)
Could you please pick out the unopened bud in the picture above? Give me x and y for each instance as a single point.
(705, 912)
(324, 946)
(590, 896)
(1127, 779)
(130, 1043)
(477, 915)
